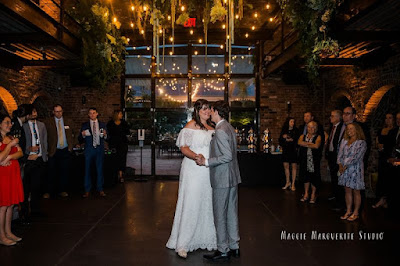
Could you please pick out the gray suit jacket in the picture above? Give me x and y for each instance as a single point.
(42, 136)
(223, 163)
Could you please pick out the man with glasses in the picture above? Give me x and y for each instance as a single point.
(60, 142)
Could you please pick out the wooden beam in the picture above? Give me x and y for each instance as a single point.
(361, 36)
(281, 59)
(27, 38)
(51, 63)
(34, 16)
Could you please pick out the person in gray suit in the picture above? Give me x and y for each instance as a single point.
(225, 177)
(36, 153)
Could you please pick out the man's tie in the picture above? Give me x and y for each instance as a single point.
(60, 134)
(94, 134)
(331, 135)
(36, 136)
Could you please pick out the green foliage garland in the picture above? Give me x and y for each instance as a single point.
(103, 47)
(310, 18)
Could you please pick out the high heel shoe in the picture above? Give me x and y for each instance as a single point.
(313, 200)
(345, 216)
(12, 243)
(353, 217)
(14, 238)
(293, 188)
(287, 186)
(304, 199)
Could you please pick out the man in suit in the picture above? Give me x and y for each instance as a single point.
(224, 177)
(60, 142)
(35, 167)
(331, 152)
(93, 134)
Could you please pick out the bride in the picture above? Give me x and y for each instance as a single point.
(193, 225)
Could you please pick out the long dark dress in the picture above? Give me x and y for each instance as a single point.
(307, 176)
(118, 141)
(289, 148)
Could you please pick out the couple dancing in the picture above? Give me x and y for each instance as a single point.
(206, 214)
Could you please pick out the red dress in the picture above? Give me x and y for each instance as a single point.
(11, 189)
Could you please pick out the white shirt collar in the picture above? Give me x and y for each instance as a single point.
(19, 121)
(219, 122)
(337, 124)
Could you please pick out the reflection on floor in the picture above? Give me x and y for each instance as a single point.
(167, 163)
(132, 224)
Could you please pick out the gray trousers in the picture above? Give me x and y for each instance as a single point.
(225, 207)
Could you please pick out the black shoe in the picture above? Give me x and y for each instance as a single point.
(234, 253)
(217, 256)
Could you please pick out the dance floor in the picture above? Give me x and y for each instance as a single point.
(132, 224)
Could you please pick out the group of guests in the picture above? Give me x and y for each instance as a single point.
(347, 148)
(35, 159)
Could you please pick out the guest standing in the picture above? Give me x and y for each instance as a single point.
(20, 116)
(117, 139)
(310, 161)
(288, 140)
(331, 151)
(35, 167)
(385, 149)
(60, 144)
(351, 168)
(11, 191)
(93, 134)
(308, 117)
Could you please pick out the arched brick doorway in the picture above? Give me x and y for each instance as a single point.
(43, 105)
(8, 102)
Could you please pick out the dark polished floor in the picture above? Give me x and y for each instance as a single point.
(132, 224)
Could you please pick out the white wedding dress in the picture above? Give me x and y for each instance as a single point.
(193, 226)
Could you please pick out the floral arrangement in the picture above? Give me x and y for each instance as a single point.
(103, 47)
(311, 19)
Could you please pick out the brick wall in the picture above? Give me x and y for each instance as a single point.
(47, 88)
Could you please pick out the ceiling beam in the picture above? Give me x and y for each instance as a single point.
(34, 16)
(361, 36)
(51, 63)
(281, 59)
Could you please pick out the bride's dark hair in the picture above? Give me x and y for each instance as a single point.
(196, 116)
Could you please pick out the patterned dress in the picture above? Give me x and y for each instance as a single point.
(352, 156)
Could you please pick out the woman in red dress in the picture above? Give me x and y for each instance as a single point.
(11, 189)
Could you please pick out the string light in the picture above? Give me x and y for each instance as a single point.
(128, 39)
(223, 26)
(247, 35)
(148, 48)
(195, 52)
(271, 19)
(227, 36)
(256, 15)
(200, 40)
(170, 53)
(169, 17)
(115, 19)
(191, 32)
(171, 39)
(142, 32)
(144, 8)
(160, 31)
(182, 8)
(267, 6)
(133, 8)
(222, 46)
(132, 25)
(253, 28)
(237, 16)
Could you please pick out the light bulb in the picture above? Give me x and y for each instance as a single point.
(169, 17)
(142, 31)
(237, 16)
(144, 8)
(160, 31)
(247, 35)
(128, 39)
(171, 39)
(253, 28)
(132, 25)
(191, 32)
(222, 46)
(115, 19)
(195, 52)
(271, 19)
(200, 40)
(133, 8)
(223, 26)
(256, 15)
(182, 8)
(267, 6)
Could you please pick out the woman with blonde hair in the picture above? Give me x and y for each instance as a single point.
(351, 168)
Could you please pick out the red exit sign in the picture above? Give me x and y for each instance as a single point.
(191, 22)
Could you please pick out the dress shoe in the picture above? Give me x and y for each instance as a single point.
(85, 195)
(217, 256)
(287, 186)
(182, 254)
(63, 194)
(102, 194)
(234, 253)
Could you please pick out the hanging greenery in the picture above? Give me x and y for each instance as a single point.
(311, 20)
(103, 47)
(218, 12)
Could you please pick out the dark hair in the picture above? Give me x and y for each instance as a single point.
(222, 108)
(311, 113)
(2, 117)
(115, 114)
(57, 105)
(92, 108)
(30, 108)
(21, 111)
(285, 126)
(353, 110)
(196, 109)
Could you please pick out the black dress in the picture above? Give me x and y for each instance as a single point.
(305, 175)
(119, 141)
(289, 154)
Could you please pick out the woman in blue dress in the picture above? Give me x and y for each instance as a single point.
(351, 168)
